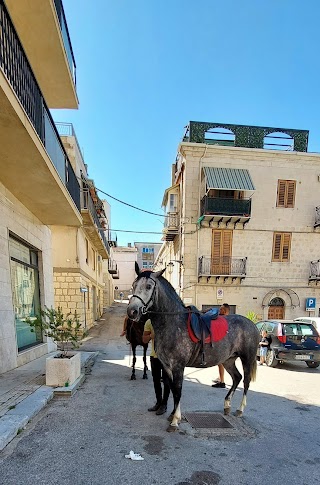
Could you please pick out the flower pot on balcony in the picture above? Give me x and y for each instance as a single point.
(63, 370)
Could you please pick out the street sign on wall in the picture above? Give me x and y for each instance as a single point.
(219, 293)
(310, 304)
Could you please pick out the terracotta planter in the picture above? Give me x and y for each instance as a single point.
(59, 371)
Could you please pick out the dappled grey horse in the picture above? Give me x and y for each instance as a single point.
(177, 346)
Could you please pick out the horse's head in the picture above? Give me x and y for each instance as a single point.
(144, 288)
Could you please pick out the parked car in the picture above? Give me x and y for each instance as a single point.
(314, 320)
(291, 341)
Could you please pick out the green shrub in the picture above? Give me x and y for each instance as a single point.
(64, 330)
(252, 316)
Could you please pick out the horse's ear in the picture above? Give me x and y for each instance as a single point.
(159, 273)
(136, 267)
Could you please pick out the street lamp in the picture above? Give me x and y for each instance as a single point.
(170, 265)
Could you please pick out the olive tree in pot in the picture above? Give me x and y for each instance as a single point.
(63, 368)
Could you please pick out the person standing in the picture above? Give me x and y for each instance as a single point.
(158, 373)
(224, 310)
(264, 344)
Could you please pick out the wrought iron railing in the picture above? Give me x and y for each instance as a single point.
(315, 270)
(88, 204)
(16, 67)
(171, 220)
(112, 238)
(222, 266)
(317, 220)
(226, 207)
(112, 266)
(66, 38)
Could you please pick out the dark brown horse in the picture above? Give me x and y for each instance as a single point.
(134, 332)
(154, 296)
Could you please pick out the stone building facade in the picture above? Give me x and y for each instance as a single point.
(244, 230)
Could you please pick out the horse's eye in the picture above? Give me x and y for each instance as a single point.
(148, 287)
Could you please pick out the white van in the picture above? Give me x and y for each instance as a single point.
(314, 320)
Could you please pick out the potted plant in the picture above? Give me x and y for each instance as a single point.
(63, 368)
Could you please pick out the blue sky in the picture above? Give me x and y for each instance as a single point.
(145, 68)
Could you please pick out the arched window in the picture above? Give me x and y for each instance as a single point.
(276, 302)
(278, 141)
(220, 136)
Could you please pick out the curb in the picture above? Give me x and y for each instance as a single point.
(15, 420)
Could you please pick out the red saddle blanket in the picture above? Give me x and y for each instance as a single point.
(218, 330)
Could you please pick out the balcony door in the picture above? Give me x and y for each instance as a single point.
(221, 252)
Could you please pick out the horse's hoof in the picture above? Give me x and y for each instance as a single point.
(226, 411)
(239, 413)
(172, 429)
(133, 378)
(170, 418)
(145, 377)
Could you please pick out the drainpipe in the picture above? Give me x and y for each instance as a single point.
(198, 229)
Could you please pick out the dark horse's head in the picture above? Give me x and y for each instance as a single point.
(144, 288)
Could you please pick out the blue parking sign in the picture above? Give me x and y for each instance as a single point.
(310, 304)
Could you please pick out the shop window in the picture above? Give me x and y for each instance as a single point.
(25, 291)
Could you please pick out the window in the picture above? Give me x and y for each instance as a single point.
(148, 250)
(93, 260)
(173, 203)
(25, 291)
(221, 252)
(286, 193)
(281, 246)
(87, 251)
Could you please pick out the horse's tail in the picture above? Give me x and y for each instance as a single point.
(253, 370)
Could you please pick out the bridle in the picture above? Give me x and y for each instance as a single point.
(147, 305)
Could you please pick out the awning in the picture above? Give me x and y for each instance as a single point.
(228, 178)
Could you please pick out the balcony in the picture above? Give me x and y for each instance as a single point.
(225, 267)
(34, 166)
(317, 218)
(112, 239)
(314, 271)
(171, 226)
(112, 267)
(92, 226)
(225, 210)
(42, 28)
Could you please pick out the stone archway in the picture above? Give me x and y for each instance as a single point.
(276, 310)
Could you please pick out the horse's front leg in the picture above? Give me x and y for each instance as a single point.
(176, 389)
(133, 374)
(145, 368)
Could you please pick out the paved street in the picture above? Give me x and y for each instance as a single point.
(83, 440)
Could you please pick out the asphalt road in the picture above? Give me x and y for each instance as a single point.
(84, 440)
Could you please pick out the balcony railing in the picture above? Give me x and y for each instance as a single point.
(88, 204)
(224, 266)
(112, 238)
(225, 207)
(112, 267)
(66, 39)
(317, 219)
(171, 220)
(16, 67)
(315, 270)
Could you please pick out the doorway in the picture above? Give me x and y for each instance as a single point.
(276, 309)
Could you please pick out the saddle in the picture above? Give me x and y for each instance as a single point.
(206, 328)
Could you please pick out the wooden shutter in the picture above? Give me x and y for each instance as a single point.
(281, 246)
(276, 247)
(221, 252)
(291, 191)
(286, 239)
(286, 193)
(281, 193)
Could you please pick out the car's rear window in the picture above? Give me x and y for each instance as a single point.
(296, 328)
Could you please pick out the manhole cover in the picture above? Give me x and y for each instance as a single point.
(207, 420)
